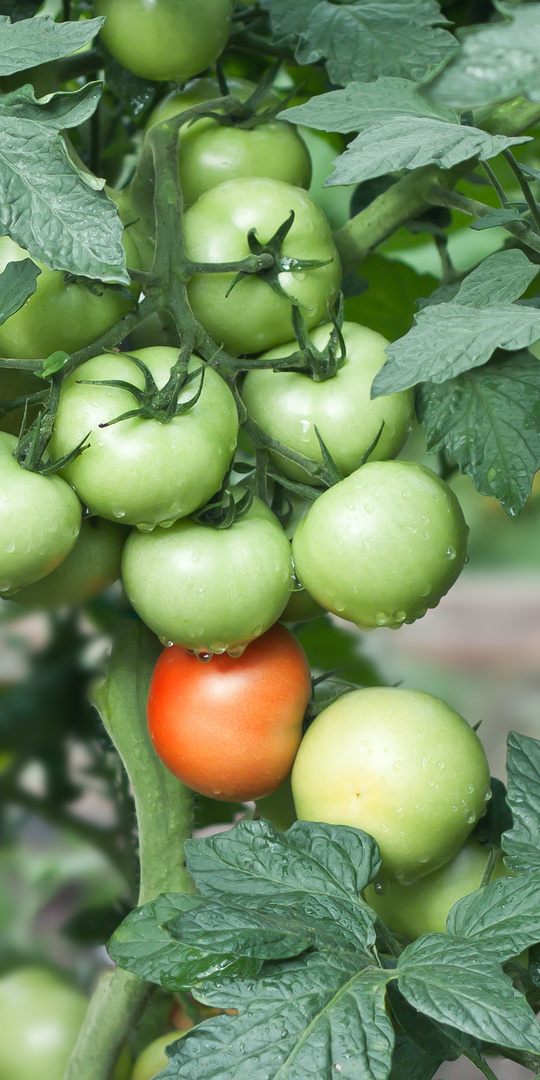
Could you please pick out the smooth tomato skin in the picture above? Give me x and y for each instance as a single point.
(230, 728)
(58, 316)
(154, 1058)
(165, 39)
(253, 317)
(211, 153)
(40, 520)
(140, 471)
(383, 545)
(402, 766)
(210, 589)
(91, 566)
(289, 405)
(40, 1019)
(424, 906)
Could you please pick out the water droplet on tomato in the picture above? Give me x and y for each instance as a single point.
(236, 651)
(166, 642)
(204, 655)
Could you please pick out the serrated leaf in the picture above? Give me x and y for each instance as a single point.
(143, 945)
(47, 206)
(488, 421)
(502, 216)
(458, 983)
(17, 282)
(364, 39)
(31, 42)
(501, 278)
(255, 859)
(360, 105)
(314, 1017)
(410, 142)
(496, 62)
(227, 926)
(522, 843)
(389, 303)
(504, 917)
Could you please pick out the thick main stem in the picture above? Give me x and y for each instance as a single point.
(164, 816)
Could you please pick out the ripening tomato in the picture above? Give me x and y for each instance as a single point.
(40, 520)
(383, 545)
(402, 766)
(290, 405)
(424, 906)
(92, 565)
(207, 588)
(165, 39)
(230, 728)
(141, 471)
(211, 153)
(253, 317)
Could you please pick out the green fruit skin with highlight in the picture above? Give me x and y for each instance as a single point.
(383, 545)
(59, 316)
(206, 588)
(91, 566)
(165, 39)
(424, 906)
(154, 1058)
(40, 1019)
(40, 520)
(402, 766)
(140, 471)
(212, 153)
(290, 405)
(253, 317)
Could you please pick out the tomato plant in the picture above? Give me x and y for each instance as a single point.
(249, 710)
(153, 1058)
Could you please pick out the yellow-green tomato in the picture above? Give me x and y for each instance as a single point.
(141, 471)
(211, 153)
(165, 39)
(402, 766)
(40, 520)
(253, 317)
(383, 545)
(291, 407)
(92, 565)
(40, 1019)
(58, 316)
(154, 1057)
(210, 589)
(424, 906)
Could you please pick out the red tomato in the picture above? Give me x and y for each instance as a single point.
(230, 727)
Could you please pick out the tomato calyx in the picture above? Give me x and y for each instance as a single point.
(279, 263)
(250, 114)
(31, 449)
(153, 403)
(226, 507)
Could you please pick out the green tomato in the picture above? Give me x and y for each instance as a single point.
(253, 317)
(402, 766)
(424, 906)
(165, 39)
(383, 545)
(40, 520)
(210, 589)
(290, 407)
(141, 471)
(154, 1058)
(92, 565)
(212, 153)
(59, 316)
(40, 1019)
(323, 149)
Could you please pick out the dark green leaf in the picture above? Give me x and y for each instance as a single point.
(488, 421)
(497, 818)
(362, 104)
(17, 283)
(364, 39)
(522, 843)
(31, 42)
(409, 1062)
(227, 926)
(504, 916)
(495, 62)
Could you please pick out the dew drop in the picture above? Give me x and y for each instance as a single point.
(440, 764)
(203, 654)
(118, 513)
(382, 618)
(236, 651)
(470, 819)
(450, 552)
(366, 545)
(396, 766)
(166, 642)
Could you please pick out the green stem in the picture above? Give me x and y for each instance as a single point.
(501, 194)
(443, 197)
(164, 816)
(481, 1064)
(525, 187)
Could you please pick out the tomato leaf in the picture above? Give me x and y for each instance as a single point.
(360, 105)
(29, 42)
(521, 843)
(364, 39)
(17, 282)
(57, 213)
(504, 916)
(488, 421)
(458, 982)
(496, 62)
